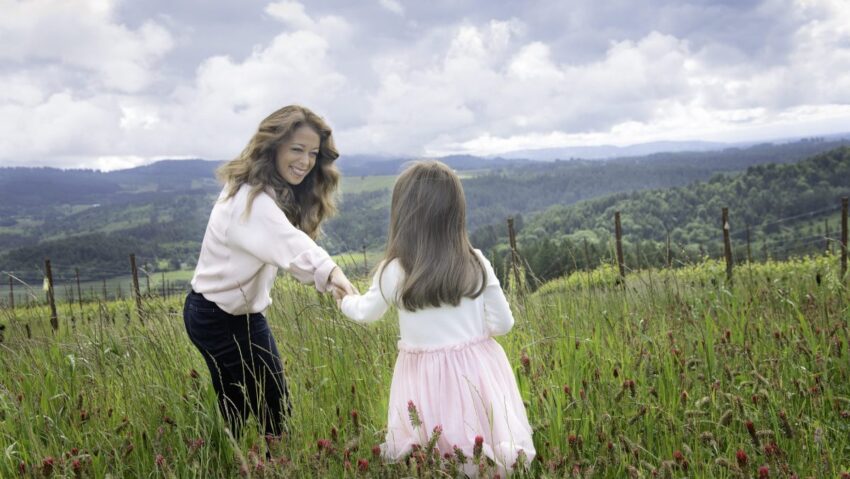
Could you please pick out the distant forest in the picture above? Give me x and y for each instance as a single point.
(786, 207)
(92, 220)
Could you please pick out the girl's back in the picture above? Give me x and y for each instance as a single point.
(472, 319)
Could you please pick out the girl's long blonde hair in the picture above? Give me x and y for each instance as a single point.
(307, 204)
(427, 234)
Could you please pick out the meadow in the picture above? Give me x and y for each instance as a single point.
(675, 373)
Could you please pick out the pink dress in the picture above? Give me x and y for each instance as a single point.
(452, 370)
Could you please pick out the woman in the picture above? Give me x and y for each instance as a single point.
(276, 195)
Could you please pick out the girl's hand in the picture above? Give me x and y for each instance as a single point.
(340, 282)
(338, 294)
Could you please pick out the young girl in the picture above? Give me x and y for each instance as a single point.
(450, 306)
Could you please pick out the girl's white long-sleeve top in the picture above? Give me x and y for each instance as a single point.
(434, 327)
(240, 254)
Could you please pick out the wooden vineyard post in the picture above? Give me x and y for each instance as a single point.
(54, 318)
(843, 237)
(514, 255)
(727, 244)
(11, 293)
(618, 233)
(826, 236)
(79, 290)
(136, 291)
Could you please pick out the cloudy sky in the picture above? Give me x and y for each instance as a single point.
(116, 83)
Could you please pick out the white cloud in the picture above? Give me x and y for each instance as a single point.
(82, 35)
(81, 84)
(393, 6)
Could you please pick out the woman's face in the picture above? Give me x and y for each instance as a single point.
(297, 156)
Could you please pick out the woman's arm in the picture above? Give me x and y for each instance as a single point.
(497, 313)
(268, 235)
(373, 304)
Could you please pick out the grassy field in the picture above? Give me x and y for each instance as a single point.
(118, 286)
(674, 374)
(361, 184)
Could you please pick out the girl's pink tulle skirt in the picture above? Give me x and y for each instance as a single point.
(469, 390)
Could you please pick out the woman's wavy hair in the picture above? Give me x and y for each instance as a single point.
(306, 205)
(427, 233)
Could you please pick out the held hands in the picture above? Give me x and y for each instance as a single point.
(340, 285)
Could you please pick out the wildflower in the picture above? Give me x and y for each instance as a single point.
(476, 449)
(726, 418)
(334, 434)
(751, 429)
(678, 456)
(630, 385)
(764, 472)
(323, 445)
(684, 397)
(362, 465)
(76, 466)
(582, 394)
(742, 458)
(526, 361)
(785, 425)
(160, 460)
(845, 475)
(461, 457)
(772, 449)
(22, 468)
(435, 436)
(521, 459)
(47, 466)
(414, 414)
(355, 418)
(568, 391)
(376, 451)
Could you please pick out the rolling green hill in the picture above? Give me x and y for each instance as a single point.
(786, 207)
(92, 220)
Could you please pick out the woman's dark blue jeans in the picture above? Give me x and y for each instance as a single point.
(244, 363)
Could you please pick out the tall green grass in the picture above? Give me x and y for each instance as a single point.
(660, 376)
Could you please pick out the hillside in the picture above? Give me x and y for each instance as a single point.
(159, 211)
(785, 206)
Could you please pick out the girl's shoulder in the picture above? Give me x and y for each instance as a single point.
(391, 269)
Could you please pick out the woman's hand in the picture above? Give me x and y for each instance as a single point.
(340, 285)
